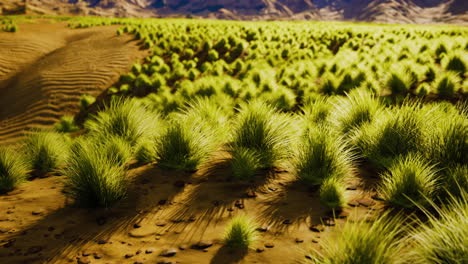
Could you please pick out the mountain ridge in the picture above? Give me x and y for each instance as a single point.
(382, 11)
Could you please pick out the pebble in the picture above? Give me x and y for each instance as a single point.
(298, 240)
(315, 241)
(251, 194)
(263, 229)
(183, 247)
(129, 255)
(161, 223)
(329, 222)
(150, 250)
(136, 225)
(202, 245)
(83, 261)
(377, 197)
(317, 228)
(353, 203)
(169, 252)
(102, 242)
(87, 253)
(342, 214)
(37, 212)
(97, 256)
(260, 250)
(366, 202)
(269, 245)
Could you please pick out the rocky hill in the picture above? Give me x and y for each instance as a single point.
(385, 11)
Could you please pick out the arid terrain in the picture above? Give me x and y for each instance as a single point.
(306, 128)
(45, 69)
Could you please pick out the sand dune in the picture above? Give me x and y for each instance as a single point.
(44, 70)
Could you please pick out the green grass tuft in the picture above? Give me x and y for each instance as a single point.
(13, 169)
(46, 151)
(359, 107)
(245, 163)
(66, 125)
(127, 119)
(397, 132)
(322, 155)
(261, 129)
(408, 181)
(443, 238)
(364, 243)
(332, 193)
(240, 233)
(94, 178)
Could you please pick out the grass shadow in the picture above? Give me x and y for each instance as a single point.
(66, 231)
(226, 255)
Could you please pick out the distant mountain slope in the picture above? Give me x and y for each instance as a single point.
(392, 11)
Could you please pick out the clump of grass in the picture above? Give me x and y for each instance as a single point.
(332, 193)
(397, 132)
(13, 169)
(447, 84)
(456, 64)
(46, 151)
(322, 155)
(454, 180)
(318, 111)
(95, 179)
(189, 140)
(263, 133)
(449, 139)
(86, 100)
(128, 119)
(376, 242)
(66, 125)
(400, 81)
(240, 233)
(359, 107)
(443, 238)
(146, 151)
(245, 163)
(409, 181)
(117, 150)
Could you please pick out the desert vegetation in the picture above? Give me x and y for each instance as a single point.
(325, 103)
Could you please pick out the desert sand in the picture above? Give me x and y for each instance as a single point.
(45, 70)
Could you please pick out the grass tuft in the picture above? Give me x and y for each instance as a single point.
(397, 132)
(408, 181)
(322, 155)
(13, 169)
(263, 133)
(66, 125)
(95, 178)
(363, 243)
(443, 238)
(240, 233)
(127, 119)
(46, 151)
(332, 193)
(359, 107)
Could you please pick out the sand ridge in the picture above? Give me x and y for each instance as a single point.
(45, 68)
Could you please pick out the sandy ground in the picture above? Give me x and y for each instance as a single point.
(45, 68)
(168, 210)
